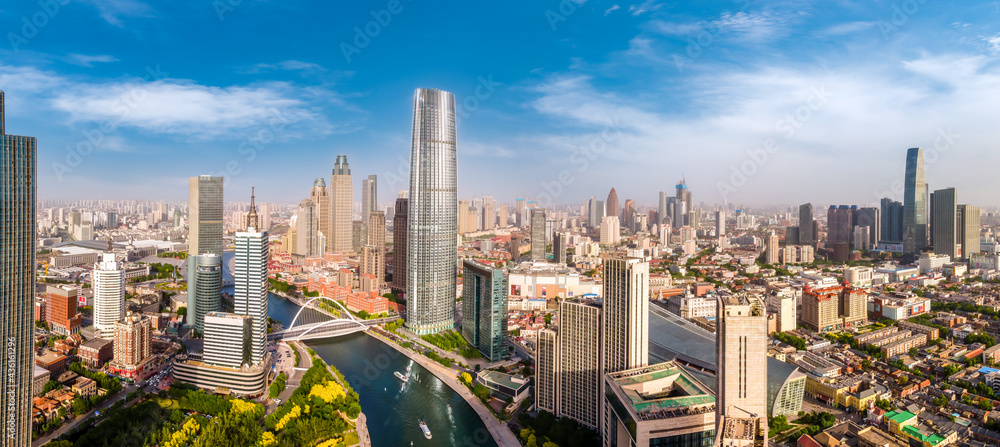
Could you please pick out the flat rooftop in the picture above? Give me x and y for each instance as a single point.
(662, 390)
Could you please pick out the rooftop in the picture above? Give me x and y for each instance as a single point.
(662, 390)
(504, 380)
(900, 417)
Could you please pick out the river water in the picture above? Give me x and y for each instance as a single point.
(394, 408)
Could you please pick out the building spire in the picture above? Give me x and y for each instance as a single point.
(252, 220)
(1, 113)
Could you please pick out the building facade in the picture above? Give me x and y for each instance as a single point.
(228, 340)
(204, 288)
(341, 205)
(741, 356)
(538, 234)
(108, 279)
(400, 218)
(205, 215)
(914, 205)
(133, 354)
(626, 314)
(251, 288)
(484, 309)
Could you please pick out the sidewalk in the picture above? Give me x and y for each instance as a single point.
(498, 430)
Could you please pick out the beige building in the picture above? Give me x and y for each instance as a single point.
(341, 192)
(626, 313)
(578, 369)
(741, 378)
(546, 379)
(373, 254)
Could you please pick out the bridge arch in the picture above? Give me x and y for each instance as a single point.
(306, 306)
(361, 325)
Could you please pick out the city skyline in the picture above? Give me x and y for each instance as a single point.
(754, 67)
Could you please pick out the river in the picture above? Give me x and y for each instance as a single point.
(394, 411)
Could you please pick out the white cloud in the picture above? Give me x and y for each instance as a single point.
(289, 65)
(994, 43)
(85, 60)
(613, 8)
(644, 7)
(848, 28)
(113, 11)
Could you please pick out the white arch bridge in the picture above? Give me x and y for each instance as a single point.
(320, 325)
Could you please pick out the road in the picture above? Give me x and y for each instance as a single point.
(65, 428)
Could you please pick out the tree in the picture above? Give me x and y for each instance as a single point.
(182, 311)
(914, 352)
(466, 378)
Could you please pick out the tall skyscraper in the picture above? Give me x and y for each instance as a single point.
(484, 309)
(807, 226)
(17, 288)
(720, 223)
(579, 365)
(341, 204)
(662, 211)
(373, 255)
(320, 196)
(502, 217)
(433, 222)
(546, 368)
(369, 196)
(250, 274)
(611, 205)
(109, 293)
(559, 247)
(914, 205)
(205, 215)
(772, 251)
(741, 373)
(870, 217)
(945, 215)
(892, 221)
(307, 230)
(626, 314)
(400, 219)
(610, 230)
(538, 235)
(204, 288)
(228, 340)
(682, 204)
(133, 353)
(969, 222)
(595, 212)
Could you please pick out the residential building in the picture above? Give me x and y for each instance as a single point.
(626, 313)
(61, 313)
(133, 355)
(307, 230)
(95, 353)
(610, 230)
(320, 197)
(108, 279)
(373, 254)
(538, 235)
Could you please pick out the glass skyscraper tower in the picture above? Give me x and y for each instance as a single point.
(433, 214)
(17, 288)
(914, 205)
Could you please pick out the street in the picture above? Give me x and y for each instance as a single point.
(80, 419)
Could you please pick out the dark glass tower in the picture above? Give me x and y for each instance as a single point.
(914, 205)
(17, 287)
(433, 214)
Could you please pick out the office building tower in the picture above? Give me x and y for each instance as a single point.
(373, 254)
(320, 196)
(307, 230)
(400, 218)
(682, 204)
(892, 221)
(595, 212)
(611, 205)
(861, 238)
(559, 247)
(969, 222)
(205, 215)
(772, 250)
(484, 309)
(720, 223)
(108, 279)
(610, 231)
(628, 215)
(250, 274)
(662, 212)
(546, 365)
(841, 227)
(17, 288)
(433, 224)
(538, 235)
(228, 340)
(520, 206)
(369, 197)
(341, 204)
(504, 215)
(133, 353)
(914, 205)
(870, 217)
(626, 314)
(61, 313)
(359, 235)
(807, 226)
(741, 372)
(579, 366)
(204, 288)
(945, 220)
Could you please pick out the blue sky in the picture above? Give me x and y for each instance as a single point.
(752, 102)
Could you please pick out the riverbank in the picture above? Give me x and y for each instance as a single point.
(500, 432)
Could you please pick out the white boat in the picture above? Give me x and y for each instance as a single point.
(404, 377)
(423, 428)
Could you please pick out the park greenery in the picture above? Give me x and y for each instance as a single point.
(322, 408)
(452, 341)
(277, 386)
(82, 405)
(172, 254)
(791, 340)
(545, 430)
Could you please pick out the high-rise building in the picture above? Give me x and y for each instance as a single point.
(433, 224)
(17, 288)
(969, 217)
(914, 205)
(892, 221)
(771, 253)
(595, 212)
(250, 274)
(205, 215)
(741, 371)
(626, 314)
(484, 309)
(369, 196)
(841, 227)
(546, 366)
(133, 353)
(307, 230)
(579, 366)
(373, 255)
(610, 230)
(400, 217)
(720, 223)
(204, 288)
(228, 340)
(628, 216)
(538, 235)
(108, 279)
(502, 217)
(559, 247)
(870, 217)
(359, 235)
(341, 204)
(662, 212)
(807, 226)
(945, 217)
(61, 311)
(611, 205)
(320, 196)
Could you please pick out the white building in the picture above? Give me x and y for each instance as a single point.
(109, 295)
(226, 340)
(931, 262)
(859, 276)
(250, 297)
(610, 230)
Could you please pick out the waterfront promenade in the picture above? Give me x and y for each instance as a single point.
(500, 432)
